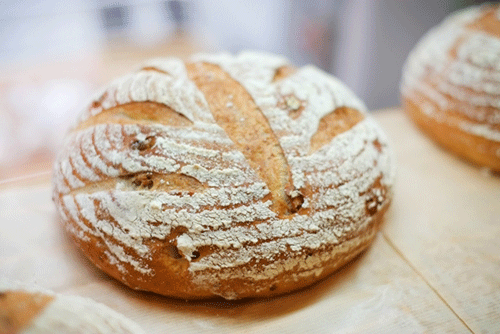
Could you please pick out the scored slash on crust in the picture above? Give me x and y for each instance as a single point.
(249, 130)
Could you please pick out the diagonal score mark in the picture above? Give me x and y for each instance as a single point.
(150, 181)
(487, 23)
(154, 69)
(338, 121)
(236, 112)
(419, 274)
(283, 72)
(137, 112)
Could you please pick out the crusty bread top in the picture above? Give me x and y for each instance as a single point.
(455, 71)
(244, 155)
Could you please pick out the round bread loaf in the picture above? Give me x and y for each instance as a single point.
(451, 85)
(33, 311)
(223, 176)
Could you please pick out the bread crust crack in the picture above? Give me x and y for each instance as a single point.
(237, 113)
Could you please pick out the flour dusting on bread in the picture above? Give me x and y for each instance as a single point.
(113, 179)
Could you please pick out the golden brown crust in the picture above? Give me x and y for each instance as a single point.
(248, 128)
(333, 124)
(173, 279)
(234, 177)
(475, 149)
(450, 86)
(488, 23)
(138, 113)
(283, 72)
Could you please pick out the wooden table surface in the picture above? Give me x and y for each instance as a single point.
(434, 267)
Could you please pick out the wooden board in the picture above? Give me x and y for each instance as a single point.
(435, 267)
(446, 222)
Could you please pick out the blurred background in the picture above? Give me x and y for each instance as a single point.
(54, 54)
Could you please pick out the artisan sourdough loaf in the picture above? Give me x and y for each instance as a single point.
(451, 84)
(223, 176)
(43, 312)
